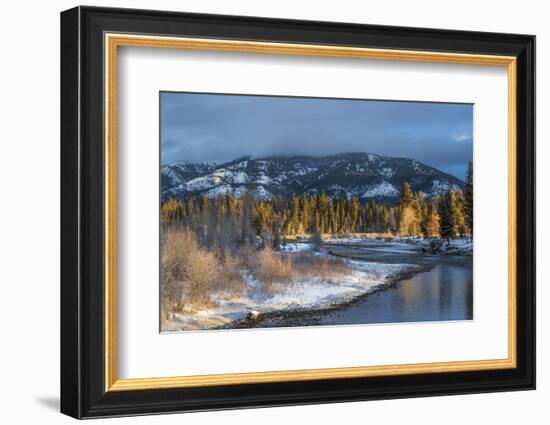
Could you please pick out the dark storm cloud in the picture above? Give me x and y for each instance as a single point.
(204, 127)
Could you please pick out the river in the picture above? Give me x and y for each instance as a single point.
(442, 293)
(441, 290)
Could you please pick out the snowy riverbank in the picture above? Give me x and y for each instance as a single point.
(408, 245)
(371, 263)
(301, 295)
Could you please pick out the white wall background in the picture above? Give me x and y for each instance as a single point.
(29, 213)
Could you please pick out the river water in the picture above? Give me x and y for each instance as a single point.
(443, 293)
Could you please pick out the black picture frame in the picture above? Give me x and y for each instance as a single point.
(83, 392)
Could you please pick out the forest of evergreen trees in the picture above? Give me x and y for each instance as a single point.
(228, 221)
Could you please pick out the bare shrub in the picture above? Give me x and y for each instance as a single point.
(248, 257)
(193, 277)
(278, 271)
(231, 280)
(201, 274)
(172, 270)
(310, 266)
(274, 270)
(188, 273)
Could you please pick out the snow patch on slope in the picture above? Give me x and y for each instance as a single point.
(381, 189)
(439, 187)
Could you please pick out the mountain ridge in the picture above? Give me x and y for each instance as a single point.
(351, 174)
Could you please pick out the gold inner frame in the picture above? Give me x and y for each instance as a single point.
(113, 41)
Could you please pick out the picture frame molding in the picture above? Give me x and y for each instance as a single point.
(89, 41)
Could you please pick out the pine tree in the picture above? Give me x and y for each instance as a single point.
(248, 232)
(295, 215)
(406, 225)
(458, 213)
(203, 204)
(171, 211)
(424, 220)
(446, 219)
(416, 230)
(305, 213)
(342, 214)
(385, 219)
(469, 199)
(276, 231)
(432, 226)
(409, 212)
(354, 214)
(322, 205)
(331, 219)
(406, 196)
(373, 219)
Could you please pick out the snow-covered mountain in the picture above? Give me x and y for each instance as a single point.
(360, 175)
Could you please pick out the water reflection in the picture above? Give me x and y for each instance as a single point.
(443, 293)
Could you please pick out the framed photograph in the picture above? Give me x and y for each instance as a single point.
(261, 212)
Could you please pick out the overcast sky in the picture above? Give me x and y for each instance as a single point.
(210, 127)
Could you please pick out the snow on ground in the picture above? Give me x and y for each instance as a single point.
(381, 189)
(263, 179)
(462, 243)
(237, 177)
(218, 191)
(441, 186)
(295, 247)
(407, 244)
(454, 246)
(387, 172)
(355, 239)
(301, 295)
(213, 181)
(465, 246)
(314, 294)
(199, 183)
(260, 192)
(376, 244)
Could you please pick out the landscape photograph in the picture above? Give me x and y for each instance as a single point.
(280, 211)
